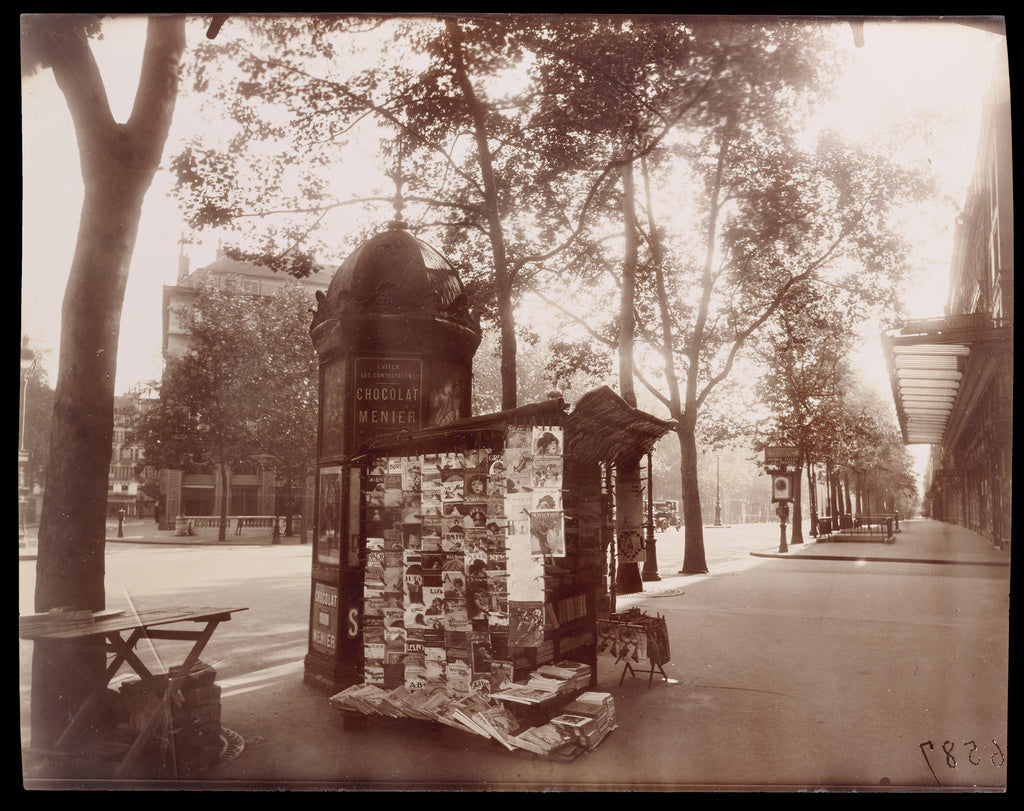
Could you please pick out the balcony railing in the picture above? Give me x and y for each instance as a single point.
(951, 323)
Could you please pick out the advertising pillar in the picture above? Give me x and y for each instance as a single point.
(395, 341)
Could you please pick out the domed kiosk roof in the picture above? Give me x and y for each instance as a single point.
(395, 271)
(394, 284)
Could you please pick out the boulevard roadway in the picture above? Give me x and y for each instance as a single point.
(786, 674)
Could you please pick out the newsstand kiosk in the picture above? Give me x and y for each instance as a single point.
(449, 549)
(395, 340)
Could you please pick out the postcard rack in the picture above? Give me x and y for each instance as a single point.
(633, 638)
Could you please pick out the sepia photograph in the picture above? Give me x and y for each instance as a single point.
(515, 403)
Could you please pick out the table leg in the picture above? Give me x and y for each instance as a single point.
(99, 689)
(163, 708)
(125, 650)
(199, 646)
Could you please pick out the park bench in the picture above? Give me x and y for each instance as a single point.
(868, 528)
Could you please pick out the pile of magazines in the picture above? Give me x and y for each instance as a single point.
(486, 715)
(475, 713)
(583, 724)
(548, 682)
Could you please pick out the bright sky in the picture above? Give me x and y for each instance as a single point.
(902, 66)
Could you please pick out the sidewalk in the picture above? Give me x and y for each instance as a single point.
(918, 541)
(771, 684)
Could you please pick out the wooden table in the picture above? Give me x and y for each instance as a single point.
(121, 633)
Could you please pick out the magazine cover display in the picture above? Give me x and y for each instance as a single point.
(459, 551)
(457, 543)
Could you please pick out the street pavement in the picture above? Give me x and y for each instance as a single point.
(833, 666)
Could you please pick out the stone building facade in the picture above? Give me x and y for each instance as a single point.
(952, 376)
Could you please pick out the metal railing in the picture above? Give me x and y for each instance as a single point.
(258, 526)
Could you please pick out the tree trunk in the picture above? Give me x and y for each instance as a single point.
(224, 494)
(627, 321)
(832, 486)
(812, 498)
(694, 560)
(797, 534)
(509, 344)
(502, 274)
(118, 163)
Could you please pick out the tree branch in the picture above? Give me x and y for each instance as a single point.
(157, 90)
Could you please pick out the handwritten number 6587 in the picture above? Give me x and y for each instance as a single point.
(947, 748)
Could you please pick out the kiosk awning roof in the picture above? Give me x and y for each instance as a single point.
(605, 428)
(926, 361)
(602, 427)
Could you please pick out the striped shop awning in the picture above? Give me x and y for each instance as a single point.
(926, 361)
(925, 381)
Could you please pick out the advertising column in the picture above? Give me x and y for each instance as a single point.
(395, 344)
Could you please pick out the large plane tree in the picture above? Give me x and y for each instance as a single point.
(118, 162)
(244, 393)
(742, 211)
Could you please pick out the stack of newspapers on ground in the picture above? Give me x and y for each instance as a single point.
(485, 715)
(587, 719)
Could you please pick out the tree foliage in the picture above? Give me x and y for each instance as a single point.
(438, 127)
(745, 215)
(666, 163)
(497, 148)
(819, 406)
(245, 391)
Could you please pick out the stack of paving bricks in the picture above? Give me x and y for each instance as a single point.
(191, 745)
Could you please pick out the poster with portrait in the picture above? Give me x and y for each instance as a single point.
(546, 535)
(547, 443)
(328, 525)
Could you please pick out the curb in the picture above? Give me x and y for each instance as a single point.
(180, 542)
(875, 559)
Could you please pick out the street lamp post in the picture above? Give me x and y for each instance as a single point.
(650, 567)
(718, 492)
(782, 510)
(27, 359)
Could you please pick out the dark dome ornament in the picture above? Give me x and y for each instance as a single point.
(397, 202)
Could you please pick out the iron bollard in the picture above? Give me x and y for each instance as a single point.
(783, 512)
